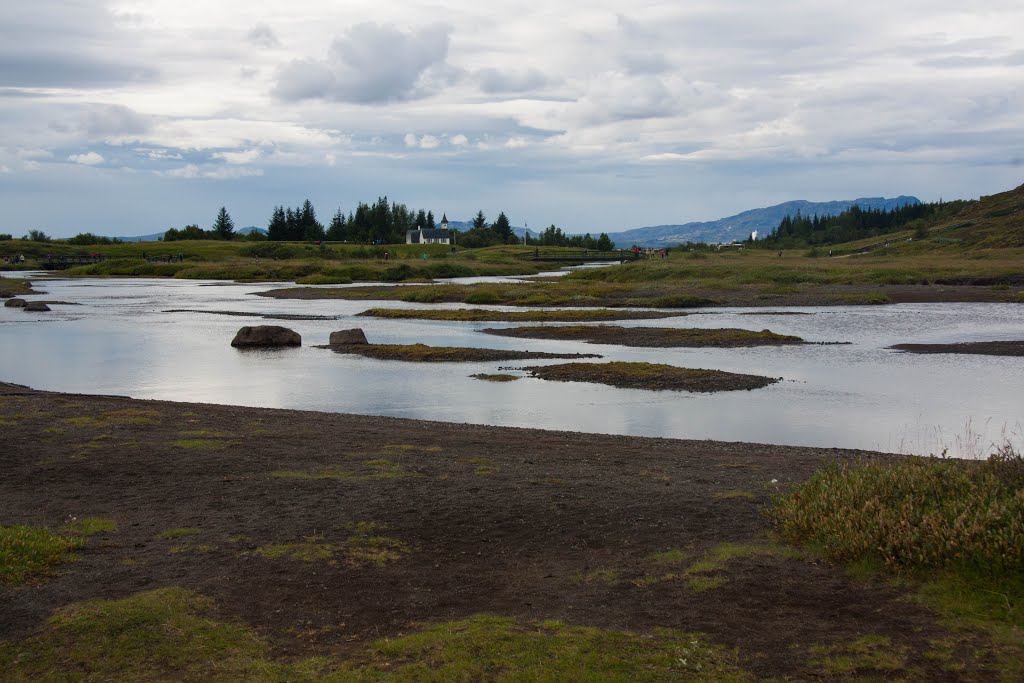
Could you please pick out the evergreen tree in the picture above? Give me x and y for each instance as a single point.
(336, 231)
(604, 243)
(421, 220)
(223, 226)
(277, 229)
(431, 225)
(479, 221)
(309, 227)
(503, 229)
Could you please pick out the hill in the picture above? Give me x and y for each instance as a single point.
(993, 222)
(740, 226)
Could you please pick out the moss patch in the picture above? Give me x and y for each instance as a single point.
(88, 526)
(169, 634)
(482, 315)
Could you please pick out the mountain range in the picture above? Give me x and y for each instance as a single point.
(729, 229)
(740, 226)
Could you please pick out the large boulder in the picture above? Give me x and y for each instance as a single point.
(15, 303)
(348, 337)
(266, 336)
(36, 306)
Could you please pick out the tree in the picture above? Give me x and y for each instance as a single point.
(604, 243)
(431, 225)
(223, 226)
(480, 220)
(336, 230)
(503, 229)
(277, 229)
(309, 227)
(36, 236)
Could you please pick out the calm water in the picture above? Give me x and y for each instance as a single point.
(117, 339)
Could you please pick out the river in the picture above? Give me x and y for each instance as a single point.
(117, 338)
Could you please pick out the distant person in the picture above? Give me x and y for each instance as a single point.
(780, 253)
(385, 256)
(424, 256)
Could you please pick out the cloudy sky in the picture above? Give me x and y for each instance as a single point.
(126, 118)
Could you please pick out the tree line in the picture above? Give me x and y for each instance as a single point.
(856, 223)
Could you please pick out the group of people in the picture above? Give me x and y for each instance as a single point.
(649, 252)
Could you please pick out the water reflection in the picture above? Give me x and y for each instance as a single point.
(119, 340)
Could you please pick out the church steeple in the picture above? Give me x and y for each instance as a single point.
(444, 221)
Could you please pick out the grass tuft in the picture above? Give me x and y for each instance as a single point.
(180, 532)
(88, 526)
(26, 551)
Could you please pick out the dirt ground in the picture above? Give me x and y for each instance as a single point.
(516, 522)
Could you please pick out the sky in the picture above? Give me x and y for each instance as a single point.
(128, 118)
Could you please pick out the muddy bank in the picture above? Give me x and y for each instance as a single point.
(483, 315)
(588, 529)
(652, 376)
(988, 348)
(421, 353)
(657, 337)
(247, 314)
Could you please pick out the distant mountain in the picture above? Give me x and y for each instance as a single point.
(463, 226)
(740, 226)
(157, 236)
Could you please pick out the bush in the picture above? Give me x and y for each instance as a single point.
(915, 514)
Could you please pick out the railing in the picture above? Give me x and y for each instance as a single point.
(578, 255)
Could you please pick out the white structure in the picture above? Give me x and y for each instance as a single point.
(427, 236)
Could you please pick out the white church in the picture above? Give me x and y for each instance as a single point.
(427, 236)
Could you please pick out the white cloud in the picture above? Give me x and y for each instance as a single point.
(459, 140)
(244, 157)
(87, 159)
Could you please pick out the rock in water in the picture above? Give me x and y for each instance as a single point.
(15, 303)
(36, 306)
(266, 335)
(346, 337)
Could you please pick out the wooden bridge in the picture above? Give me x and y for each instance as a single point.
(578, 255)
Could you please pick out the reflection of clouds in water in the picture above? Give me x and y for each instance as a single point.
(862, 395)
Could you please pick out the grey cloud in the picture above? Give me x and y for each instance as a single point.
(371, 63)
(262, 35)
(494, 81)
(68, 70)
(114, 119)
(637, 62)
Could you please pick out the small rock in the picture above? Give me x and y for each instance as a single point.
(266, 335)
(36, 306)
(15, 303)
(344, 337)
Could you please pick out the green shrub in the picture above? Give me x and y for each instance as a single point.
(914, 514)
(483, 298)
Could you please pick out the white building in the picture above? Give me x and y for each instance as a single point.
(427, 236)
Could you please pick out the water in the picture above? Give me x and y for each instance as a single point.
(119, 340)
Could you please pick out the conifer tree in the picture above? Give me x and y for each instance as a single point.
(223, 226)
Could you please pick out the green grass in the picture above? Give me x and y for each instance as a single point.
(364, 546)
(670, 556)
(325, 473)
(87, 526)
(27, 551)
(179, 532)
(168, 634)
(499, 377)
(114, 418)
(313, 549)
(866, 653)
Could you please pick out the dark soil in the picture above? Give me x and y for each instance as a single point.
(652, 376)
(988, 348)
(498, 520)
(421, 353)
(660, 337)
